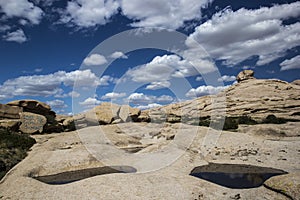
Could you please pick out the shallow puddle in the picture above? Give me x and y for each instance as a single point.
(234, 175)
(72, 176)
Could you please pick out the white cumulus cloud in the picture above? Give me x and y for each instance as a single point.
(113, 95)
(293, 63)
(16, 36)
(161, 69)
(90, 102)
(204, 90)
(143, 99)
(149, 106)
(234, 36)
(89, 13)
(21, 9)
(166, 14)
(226, 78)
(158, 85)
(95, 59)
(118, 54)
(50, 84)
(56, 104)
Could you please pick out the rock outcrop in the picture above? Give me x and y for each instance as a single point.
(245, 75)
(29, 116)
(105, 114)
(128, 113)
(32, 123)
(33, 106)
(10, 112)
(249, 101)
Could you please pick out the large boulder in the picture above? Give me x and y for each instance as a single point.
(105, 113)
(128, 113)
(37, 107)
(32, 123)
(245, 75)
(10, 112)
(144, 116)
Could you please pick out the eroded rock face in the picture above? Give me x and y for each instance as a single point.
(128, 113)
(245, 75)
(32, 106)
(32, 123)
(10, 112)
(144, 117)
(257, 99)
(105, 113)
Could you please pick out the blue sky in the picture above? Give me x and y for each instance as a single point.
(51, 50)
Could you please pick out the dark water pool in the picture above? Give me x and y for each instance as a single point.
(72, 176)
(234, 175)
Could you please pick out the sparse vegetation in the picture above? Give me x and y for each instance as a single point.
(231, 123)
(13, 148)
(272, 119)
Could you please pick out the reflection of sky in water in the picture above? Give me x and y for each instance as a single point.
(236, 180)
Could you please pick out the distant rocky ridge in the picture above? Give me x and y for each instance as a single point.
(250, 101)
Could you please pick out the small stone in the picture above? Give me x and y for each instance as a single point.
(237, 196)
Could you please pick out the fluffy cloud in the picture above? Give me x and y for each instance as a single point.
(118, 54)
(90, 102)
(143, 99)
(161, 69)
(105, 80)
(204, 90)
(95, 59)
(57, 104)
(74, 94)
(113, 95)
(199, 78)
(164, 98)
(149, 106)
(140, 98)
(50, 84)
(166, 14)
(22, 9)
(90, 13)
(293, 63)
(16, 36)
(158, 85)
(4, 28)
(146, 13)
(227, 78)
(235, 36)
